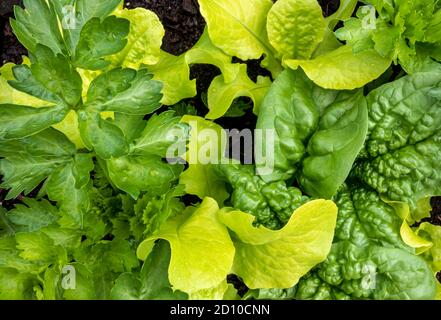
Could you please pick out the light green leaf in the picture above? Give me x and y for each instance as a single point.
(201, 250)
(99, 39)
(174, 73)
(144, 41)
(154, 211)
(36, 246)
(205, 52)
(296, 27)
(20, 121)
(303, 243)
(222, 94)
(216, 293)
(433, 234)
(342, 69)
(15, 285)
(238, 27)
(330, 42)
(200, 178)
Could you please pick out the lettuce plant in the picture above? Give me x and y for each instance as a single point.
(103, 208)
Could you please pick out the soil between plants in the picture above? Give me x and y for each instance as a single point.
(184, 25)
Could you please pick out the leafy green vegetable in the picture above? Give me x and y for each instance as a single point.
(106, 38)
(404, 30)
(342, 69)
(368, 258)
(401, 158)
(152, 282)
(295, 27)
(201, 178)
(96, 176)
(317, 133)
(144, 41)
(201, 249)
(271, 203)
(248, 41)
(300, 244)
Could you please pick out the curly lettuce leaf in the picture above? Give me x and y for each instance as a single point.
(174, 73)
(342, 69)
(221, 94)
(295, 27)
(245, 21)
(201, 179)
(144, 40)
(202, 252)
(304, 242)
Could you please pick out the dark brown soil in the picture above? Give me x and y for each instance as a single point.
(436, 212)
(182, 21)
(10, 49)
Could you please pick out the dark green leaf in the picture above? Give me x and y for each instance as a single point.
(125, 91)
(102, 135)
(20, 121)
(57, 75)
(27, 83)
(29, 161)
(100, 39)
(37, 24)
(32, 215)
(152, 283)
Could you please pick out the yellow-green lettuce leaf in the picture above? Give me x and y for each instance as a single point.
(201, 179)
(296, 27)
(174, 73)
(202, 252)
(205, 52)
(222, 94)
(238, 27)
(342, 69)
(144, 41)
(278, 259)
